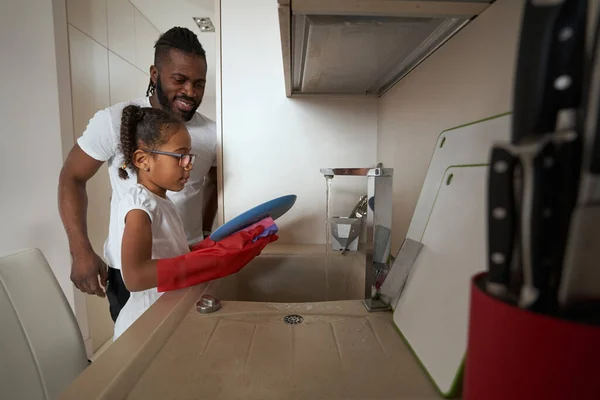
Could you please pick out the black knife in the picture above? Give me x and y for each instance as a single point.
(580, 280)
(501, 221)
(544, 147)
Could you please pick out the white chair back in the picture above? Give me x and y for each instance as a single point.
(41, 347)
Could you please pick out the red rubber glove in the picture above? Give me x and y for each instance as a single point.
(210, 260)
(204, 244)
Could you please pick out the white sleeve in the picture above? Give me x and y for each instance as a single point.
(137, 199)
(98, 139)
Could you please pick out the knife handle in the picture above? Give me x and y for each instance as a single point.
(546, 235)
(549, 70)
(501, 220)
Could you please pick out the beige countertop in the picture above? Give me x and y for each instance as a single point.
(245, 350)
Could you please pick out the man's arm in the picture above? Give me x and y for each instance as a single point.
(211, 202)
(72, 203)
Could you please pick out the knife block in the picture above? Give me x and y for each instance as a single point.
(518, 354)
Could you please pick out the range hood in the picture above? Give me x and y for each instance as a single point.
(363, 46)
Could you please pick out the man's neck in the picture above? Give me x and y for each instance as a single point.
(154, 101)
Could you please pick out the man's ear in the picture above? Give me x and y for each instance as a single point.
(153, 74)
(141, 159)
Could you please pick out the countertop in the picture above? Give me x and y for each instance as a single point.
(246, 351)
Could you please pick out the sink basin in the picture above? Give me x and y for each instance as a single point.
(295, 279)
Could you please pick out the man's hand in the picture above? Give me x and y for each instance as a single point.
(85, 271)
(72, 205)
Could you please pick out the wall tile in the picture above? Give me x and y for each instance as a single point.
(141, 82)
(89, 78)
(89, 16)
(145, 37)
(90, 91)
(121, 28)
(123, 77)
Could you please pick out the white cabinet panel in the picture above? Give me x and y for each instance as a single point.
(89, 16)
(121, 28)
(145, 37)
(89, 78)
(123, 77)
(141, 82)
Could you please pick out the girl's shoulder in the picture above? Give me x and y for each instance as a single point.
(140, 198)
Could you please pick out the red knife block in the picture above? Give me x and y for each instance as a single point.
(514, 354)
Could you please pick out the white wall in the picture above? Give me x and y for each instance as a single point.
(274, 145)
(31, 151)
(469, 78)
(111, 50)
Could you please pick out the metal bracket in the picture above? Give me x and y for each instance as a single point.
(373, 305)
(207, 304)
(394, 282)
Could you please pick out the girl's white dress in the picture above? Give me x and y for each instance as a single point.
(168, 240)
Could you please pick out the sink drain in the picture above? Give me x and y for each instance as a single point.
(293, 319)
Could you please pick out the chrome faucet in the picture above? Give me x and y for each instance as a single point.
(378, 224)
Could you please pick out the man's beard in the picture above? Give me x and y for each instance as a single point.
(163, 100)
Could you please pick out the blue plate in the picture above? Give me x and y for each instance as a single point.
(274, 208)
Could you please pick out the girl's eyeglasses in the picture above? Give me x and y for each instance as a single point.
(185, 160)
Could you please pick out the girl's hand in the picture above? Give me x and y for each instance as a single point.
(204, 244)
(224, 258)
(235, 239)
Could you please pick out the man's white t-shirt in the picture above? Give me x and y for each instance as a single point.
(168, 240)
(101, 141)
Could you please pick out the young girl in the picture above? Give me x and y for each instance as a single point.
(154, 251)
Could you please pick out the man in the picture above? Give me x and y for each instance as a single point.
(177, 81)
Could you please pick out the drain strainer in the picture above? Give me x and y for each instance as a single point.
(293, 319)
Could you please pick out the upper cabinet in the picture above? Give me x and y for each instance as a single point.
(363, 46)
